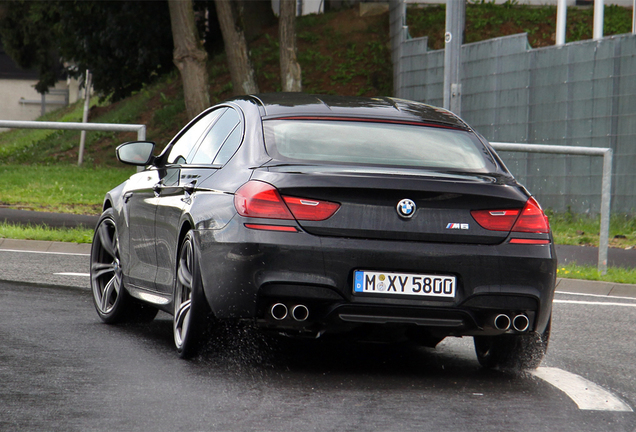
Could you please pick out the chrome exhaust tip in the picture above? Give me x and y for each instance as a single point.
(278, 311)
(502, 322)
(521, 323)
(300, 312)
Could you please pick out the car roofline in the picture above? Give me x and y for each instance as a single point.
(276, 105)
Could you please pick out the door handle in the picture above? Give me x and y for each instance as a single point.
(157, 189)
(127, 197)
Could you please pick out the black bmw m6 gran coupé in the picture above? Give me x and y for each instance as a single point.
(317, 215)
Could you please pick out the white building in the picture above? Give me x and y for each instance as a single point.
(18, 98)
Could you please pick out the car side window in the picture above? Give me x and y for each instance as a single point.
(230, 146)
(184, 145)
(215, 137)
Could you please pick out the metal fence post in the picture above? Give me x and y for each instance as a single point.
(606, 188)
(455, 20)
(87, 101)
(606, 196)
(562, 13)
(599, 15)
(141, 133)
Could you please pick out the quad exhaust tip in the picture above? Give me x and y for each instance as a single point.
(278, 311)
(300, 312)
(502, 322)
(521, 323)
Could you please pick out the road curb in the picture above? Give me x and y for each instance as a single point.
(610, 289)
(45, 246)
(56, 220)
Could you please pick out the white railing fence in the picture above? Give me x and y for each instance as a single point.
(606, 187)
(104, 127)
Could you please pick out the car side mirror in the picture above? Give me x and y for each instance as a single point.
(136, 153)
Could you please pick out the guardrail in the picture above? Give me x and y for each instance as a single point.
(606, 187)
(106, 127)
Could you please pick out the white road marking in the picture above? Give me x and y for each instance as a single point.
(596, 295)
(586, 394)
(73, 274)
(44, 252)
(582, 302)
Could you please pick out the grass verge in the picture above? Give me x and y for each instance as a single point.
(582, 230)
(45, 233)
(614, 274)
(58, 188)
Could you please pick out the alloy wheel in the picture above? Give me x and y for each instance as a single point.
(106, 274)
(183, 295)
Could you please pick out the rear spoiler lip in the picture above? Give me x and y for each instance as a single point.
(369, 120)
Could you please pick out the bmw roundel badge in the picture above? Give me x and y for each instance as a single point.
(406, 208)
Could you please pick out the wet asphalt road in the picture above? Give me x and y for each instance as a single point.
(61, 369)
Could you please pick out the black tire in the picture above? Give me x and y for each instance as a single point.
(112, 302)
(512, 351)
(191, 315)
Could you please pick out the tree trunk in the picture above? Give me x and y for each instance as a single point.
(256, 17)
(290, 73)
(241, 70)
(189, 57)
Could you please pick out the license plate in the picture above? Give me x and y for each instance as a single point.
(372, 282)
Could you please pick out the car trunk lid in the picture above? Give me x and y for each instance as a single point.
(369, 198)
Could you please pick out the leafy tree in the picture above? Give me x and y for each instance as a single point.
(28, 37)
(127, 44)
(124, 44)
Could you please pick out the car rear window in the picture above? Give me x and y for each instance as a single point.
(376, 143)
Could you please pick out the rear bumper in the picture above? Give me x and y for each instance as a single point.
(245, 272)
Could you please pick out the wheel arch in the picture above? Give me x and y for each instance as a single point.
(188, 225)
(107, 204)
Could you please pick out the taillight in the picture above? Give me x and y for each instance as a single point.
(258, 199)
(311, 210)
(530, 220)
(495, 220)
